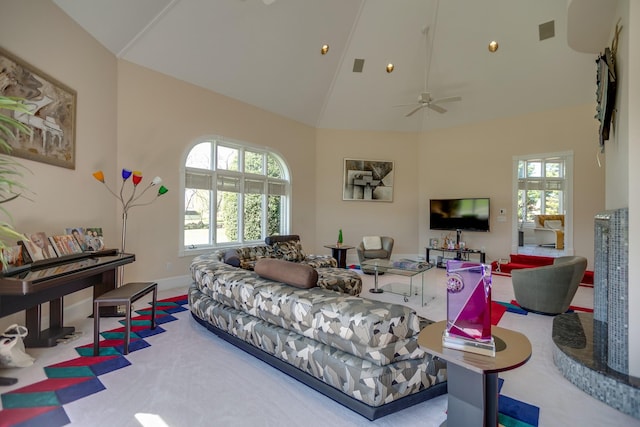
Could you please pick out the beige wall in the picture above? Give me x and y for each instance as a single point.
(622, 155)
(469, 161)
(359, 218)
(40, 34)
(476, 161)
(159, 118)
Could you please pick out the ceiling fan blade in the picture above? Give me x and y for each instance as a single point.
(415, 110)
(449, 99)
(437, 108)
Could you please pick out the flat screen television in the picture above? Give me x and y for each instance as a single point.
(470, 214)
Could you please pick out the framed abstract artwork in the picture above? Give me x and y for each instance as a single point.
(368, 180)
(52, 118)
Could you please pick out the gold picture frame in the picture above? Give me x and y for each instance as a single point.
(53, 113)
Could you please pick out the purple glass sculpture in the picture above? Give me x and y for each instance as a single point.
(468, 306)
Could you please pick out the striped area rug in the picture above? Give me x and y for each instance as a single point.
(41, 404)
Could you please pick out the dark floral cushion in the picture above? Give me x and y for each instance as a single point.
(289, 251)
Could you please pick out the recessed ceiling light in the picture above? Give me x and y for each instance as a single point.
(358, 65)
(390, 67)
(547, 30)
(493, 46)
(324, 49)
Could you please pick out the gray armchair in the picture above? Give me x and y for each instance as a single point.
(549, 289)
(384, 252)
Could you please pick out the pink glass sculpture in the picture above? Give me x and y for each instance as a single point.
(468, 306)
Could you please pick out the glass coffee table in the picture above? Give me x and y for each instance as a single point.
(404, 267)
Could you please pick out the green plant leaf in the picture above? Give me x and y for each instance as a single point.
(10, 170)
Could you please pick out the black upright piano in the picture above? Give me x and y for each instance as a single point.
(48, 281)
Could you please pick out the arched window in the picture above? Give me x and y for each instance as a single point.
(234, 194)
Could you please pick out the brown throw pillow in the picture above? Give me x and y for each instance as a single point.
(291, 273)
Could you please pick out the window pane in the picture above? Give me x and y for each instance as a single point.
(227, 158)
(254, 162)
(273, 215)
(227, 221)
(522, 206)
(534, 168)
(552, 202)
(521, 168)
(200, 156)
(553, 170)
(534, 204)
(274, 168)
(196, 217)
(252, 217)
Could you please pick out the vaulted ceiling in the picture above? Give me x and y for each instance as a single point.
(267, 53)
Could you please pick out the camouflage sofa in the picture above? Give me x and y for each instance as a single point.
(359, 352)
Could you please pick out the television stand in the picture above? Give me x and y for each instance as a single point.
(458, 254)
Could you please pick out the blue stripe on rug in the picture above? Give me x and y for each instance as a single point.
(512, 308)
(78, 391)
(524, 413)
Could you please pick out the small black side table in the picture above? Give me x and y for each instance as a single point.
(339, 252)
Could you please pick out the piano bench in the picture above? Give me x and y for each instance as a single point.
(125, 295)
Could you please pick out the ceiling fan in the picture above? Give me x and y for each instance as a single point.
(425, 101)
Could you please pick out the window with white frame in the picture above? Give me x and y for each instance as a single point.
(233, 194)
(541, 187)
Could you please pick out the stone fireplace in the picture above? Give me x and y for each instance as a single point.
(592, 350)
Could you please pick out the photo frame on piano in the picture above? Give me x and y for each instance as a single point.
(38, 246)
(65, 244)
(79, 234)
(13, 256)
(94, 239)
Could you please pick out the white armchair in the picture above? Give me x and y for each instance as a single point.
(372, 247)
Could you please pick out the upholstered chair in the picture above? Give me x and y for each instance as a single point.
(372, 247)
(549, 289)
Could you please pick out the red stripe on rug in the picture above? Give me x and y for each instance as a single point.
(497, 310)
(585, 309)
(51, 384)
(83, 361)
(17, 416)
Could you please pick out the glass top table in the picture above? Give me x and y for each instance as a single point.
(403, 267)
